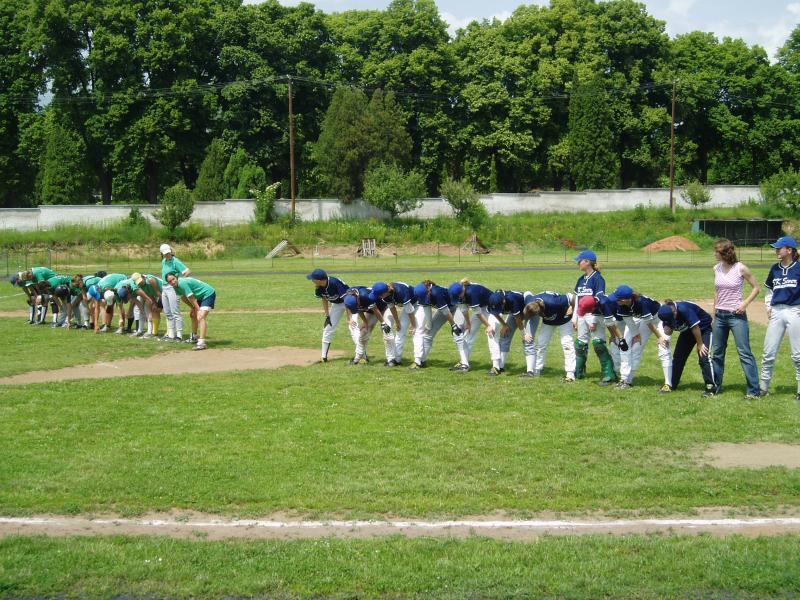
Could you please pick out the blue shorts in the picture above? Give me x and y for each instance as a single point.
(209, 302)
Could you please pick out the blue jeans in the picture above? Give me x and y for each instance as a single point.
(726, 321)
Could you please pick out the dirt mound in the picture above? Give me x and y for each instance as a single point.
(208, 361)
(671, 243)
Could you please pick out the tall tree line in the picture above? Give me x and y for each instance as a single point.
(115, 100)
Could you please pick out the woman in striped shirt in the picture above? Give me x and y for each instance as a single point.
(730, 315)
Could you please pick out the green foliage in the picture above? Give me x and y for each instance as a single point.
(594, 163)
(64, 177)
(493, 185)
(390, 188)
(210, 181)
(695, 194)
(233, 172)
(176, 206)
(782, 191)
(136, 218)
(265, 203)
(465, 201)
(789, 54)
(251, 177)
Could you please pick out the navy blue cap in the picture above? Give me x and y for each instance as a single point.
(351, 302)
(586, 254)
(379, 289)
(455, 290)
(317, 274)
(665, 314)
(421, 292)
(786, 241)
(14, 279)
(623, 292)
(496, 301)
(122, 293)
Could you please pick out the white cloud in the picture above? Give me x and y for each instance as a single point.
(680, 8)
(455, 23)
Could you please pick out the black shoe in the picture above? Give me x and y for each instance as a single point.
(605, 382)
(397, 363)
(528, 374)
(708, 394)
(456, 367)
(389, 363)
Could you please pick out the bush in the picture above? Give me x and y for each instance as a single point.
(252, 177)
(782, 191)
(695, 194)
(210, 186)
(176, 206)
(466, 202)
(265, 203)
(391, 189)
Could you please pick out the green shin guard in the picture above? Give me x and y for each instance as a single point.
(581, 354)
(606, 362)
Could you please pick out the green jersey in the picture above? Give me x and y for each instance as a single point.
(60, 280)
(188, 286)
(109, 282)
(147, 288)
(174, 266)
(42, 274)
(126, 283)
(90, 280)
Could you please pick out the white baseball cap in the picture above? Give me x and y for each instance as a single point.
(166, 249)
(109, 297)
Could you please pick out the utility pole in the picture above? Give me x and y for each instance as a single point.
(291, 148)
(672, 154)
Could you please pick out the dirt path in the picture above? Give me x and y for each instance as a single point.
(756, 312)
(198, 526)
(208, 361)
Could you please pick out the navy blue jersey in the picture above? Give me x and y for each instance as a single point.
(402, 294)
(333, 292)
(610, 309)
(689, 315)
(438, 297)
(476, 295)
(364, 303)
(591, 285)
(513, 304)
(556, 307)
(644, 307)
(783, 283)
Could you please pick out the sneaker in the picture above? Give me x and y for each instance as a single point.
(456, 367)
(119, 331)
(568, 379)
(751, 397)
(709, 393)
(665, 389)
(528, 374)
(179, 339)
(200, 347)
(624, 385)
(135, 334)
(355, 360)
(462, 369)
(605, 382)
(147, 336)
(192, 339)
(763, 393)
(324, 359)
(105, 329)
(415, 366)
(494, 372)
(389, 363)
(398, 363)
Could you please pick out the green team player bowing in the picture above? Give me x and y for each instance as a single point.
(201, 297)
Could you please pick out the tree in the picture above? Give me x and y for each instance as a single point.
(695, 194)
(390, 188)
(251, 177)
(464, 200)
(789, 54)
(594, 164)
(176, 206)
(233, 171)
(64, 172)
(210, 186)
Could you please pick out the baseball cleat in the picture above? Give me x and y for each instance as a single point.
(105, 329)
(624, 385)
(190, 340)
(119, 331)
(568, 379)
(494, 372)
(528, 374)
(462, 369)
(665, 389)
(135, 334)
(389, 363)
(147, 336)
(764, 393)
(710, 392)
(456, 367)
(605, 382)
(324, 359)
(415, 366)
(199, 347)
(750, 397)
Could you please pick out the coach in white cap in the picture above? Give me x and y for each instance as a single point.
(171, 264)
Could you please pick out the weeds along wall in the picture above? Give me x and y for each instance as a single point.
(233, 212)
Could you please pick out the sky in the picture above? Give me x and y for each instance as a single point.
(767, 23)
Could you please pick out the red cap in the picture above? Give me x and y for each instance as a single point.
(587, 304)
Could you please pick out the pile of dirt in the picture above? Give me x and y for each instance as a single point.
(671, 243)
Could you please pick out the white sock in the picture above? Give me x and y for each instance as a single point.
(503, 359)
(530, 362)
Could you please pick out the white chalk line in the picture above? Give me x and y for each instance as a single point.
(422, 525)
(12, 296)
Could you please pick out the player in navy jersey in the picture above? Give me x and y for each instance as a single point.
(640, 320)
(783, 309)
(611, 316)
(364, 313)
(694, 325)
(434, 309)
(586, 323)
(555, 311)
(472, 302)
(399, 318)
(331, 291)
(511, 304)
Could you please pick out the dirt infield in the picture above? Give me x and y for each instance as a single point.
(759, 455)
(190, 525)
(174, 363)
(756, 312)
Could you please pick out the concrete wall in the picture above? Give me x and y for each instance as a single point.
(232, 212)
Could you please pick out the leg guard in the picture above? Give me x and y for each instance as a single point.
(606, 362)
(581, 354)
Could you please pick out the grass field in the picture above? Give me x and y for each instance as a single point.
(360, 442)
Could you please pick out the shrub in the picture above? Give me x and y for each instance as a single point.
(176, 206)
(391, 189)
(466, 202)
(230, 178)
(782, 191)
(695, 194)
(210, 184)
(251, 177)
(265, 203)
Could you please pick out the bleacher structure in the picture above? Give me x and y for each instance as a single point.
(284, 248)
(368, 248)
(475, 245)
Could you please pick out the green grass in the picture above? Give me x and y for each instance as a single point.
(641, 567)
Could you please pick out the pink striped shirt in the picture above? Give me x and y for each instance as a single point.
(730, 286)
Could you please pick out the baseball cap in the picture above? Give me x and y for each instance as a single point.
(14, 279)
(351, 302)
(317, 274)
(455, 290)
(623, 292)
(122, 293)
(109, 297)
(786, 241)
(421, 292)
(379, 289)
(586, 304)
(94, 292)
(666, 315)
(137, 278)
(586, 254)
(496, 301)
(165, 249)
